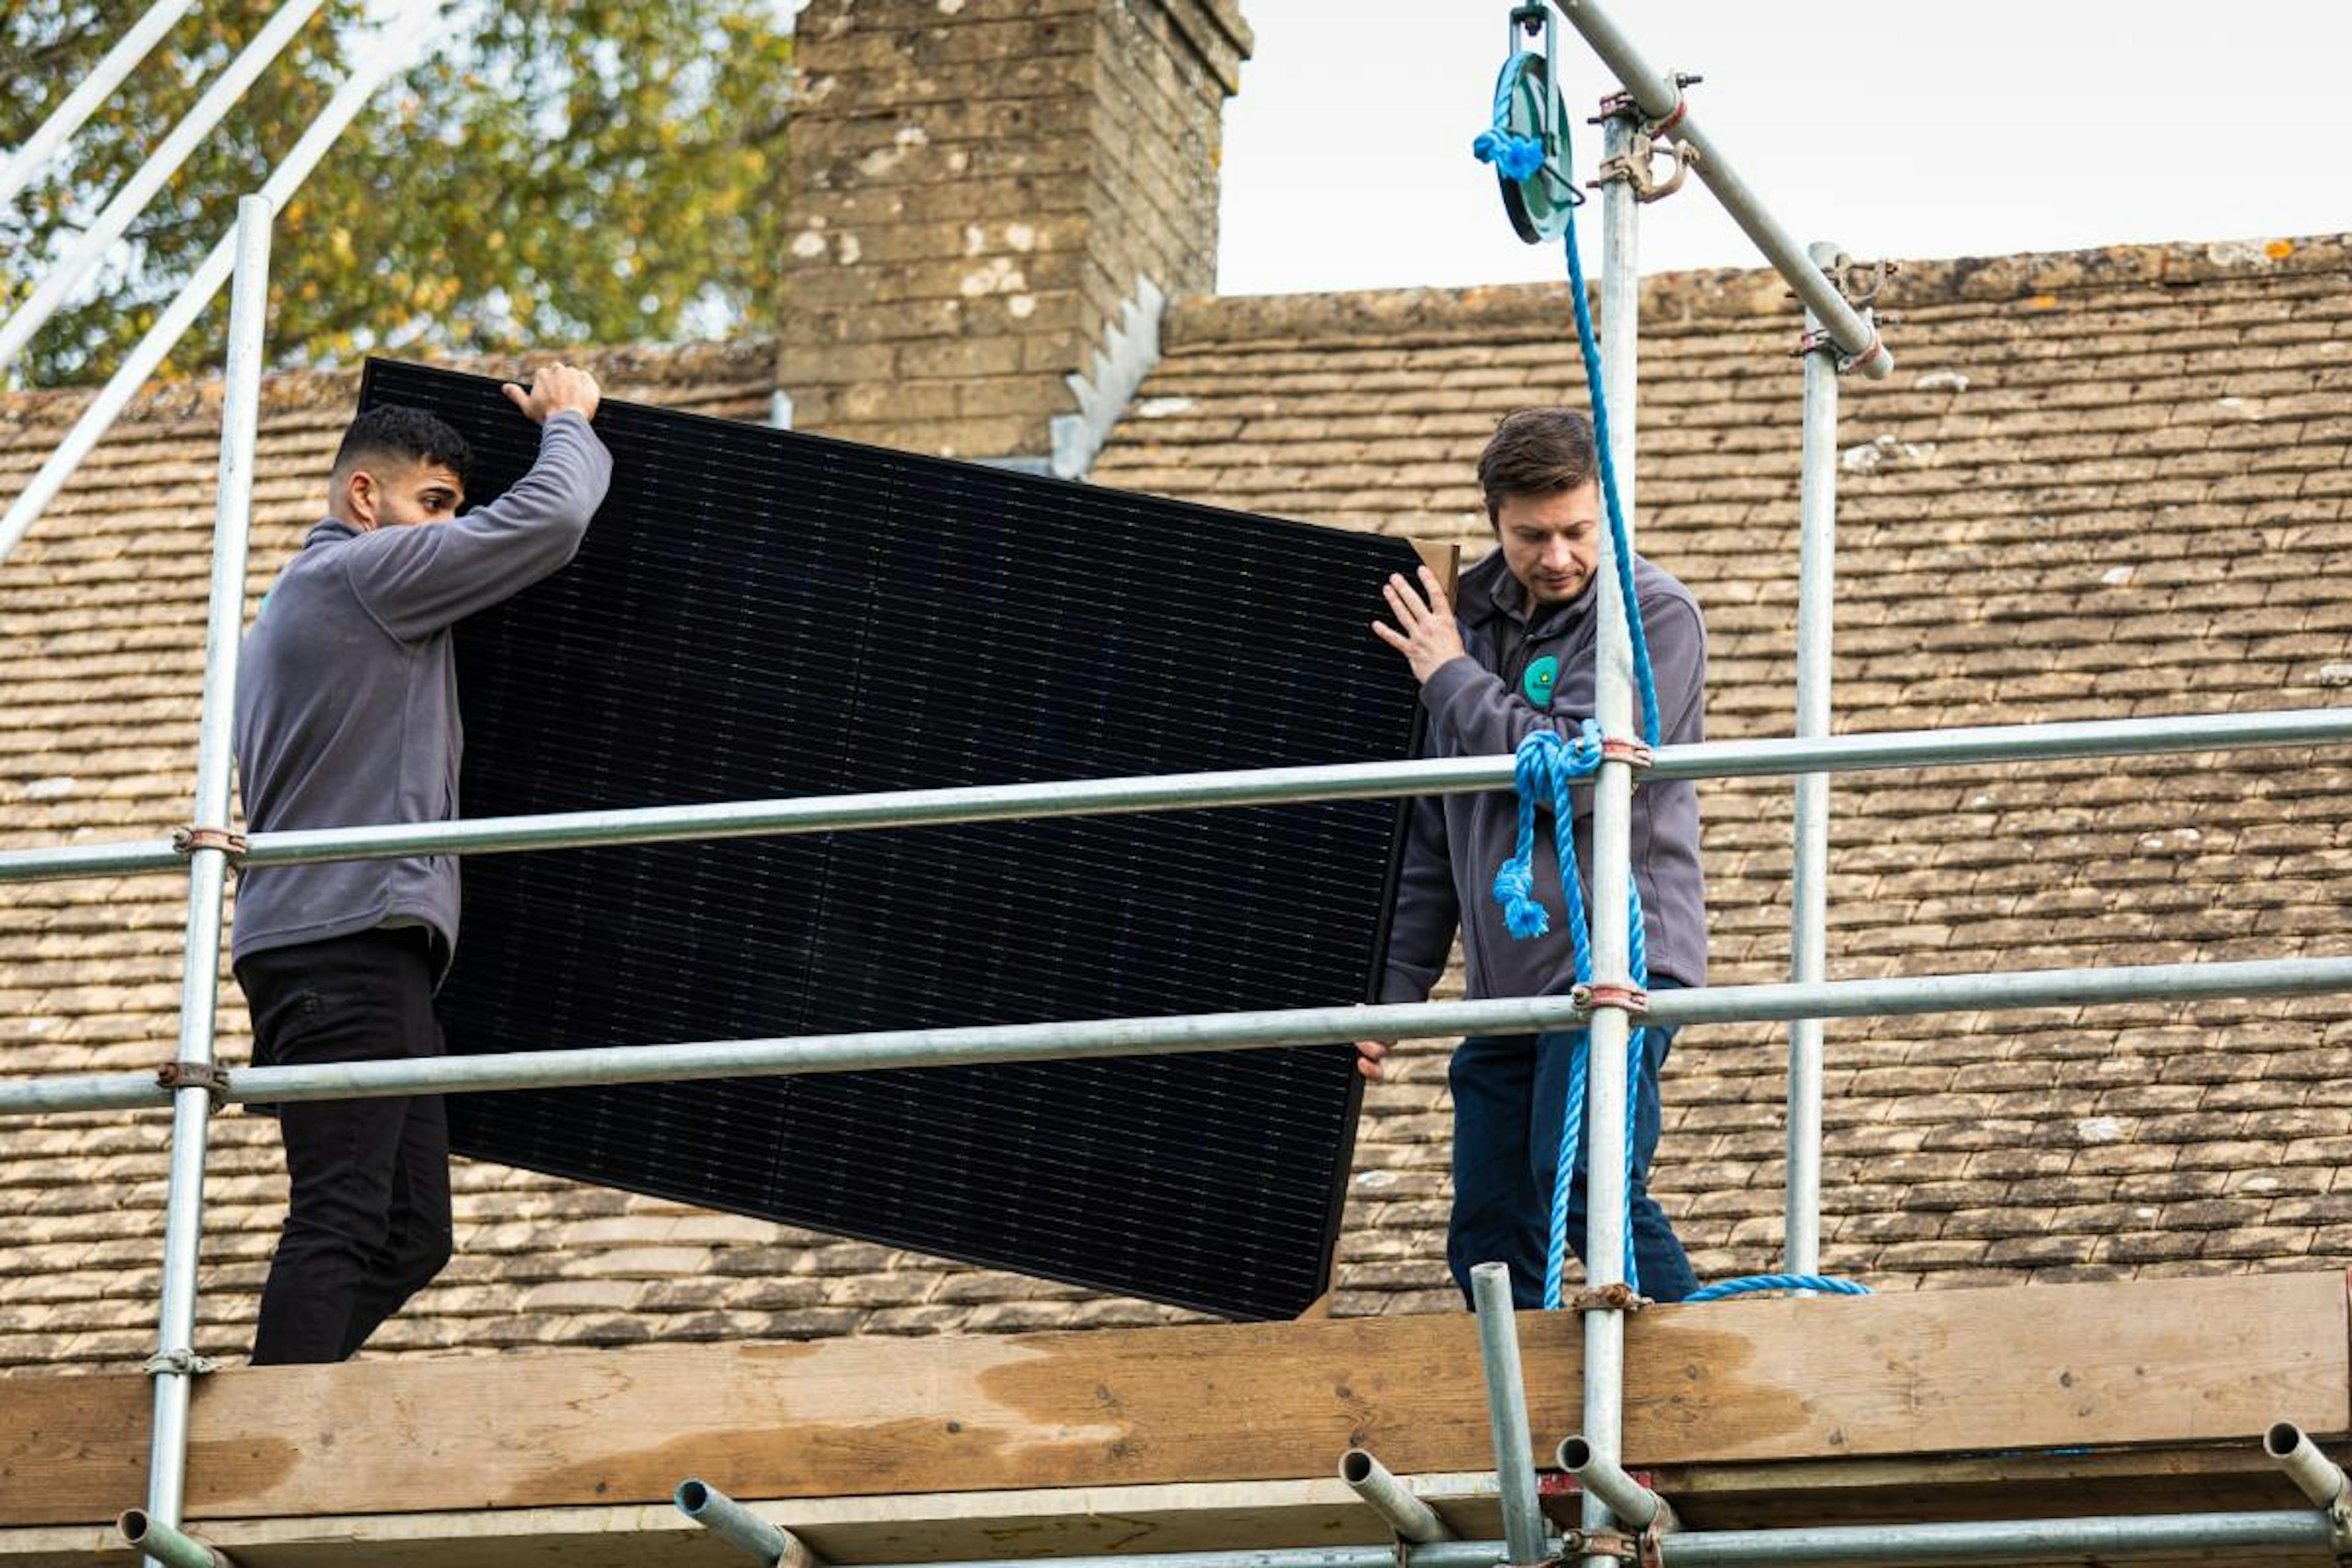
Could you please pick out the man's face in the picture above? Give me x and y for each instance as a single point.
(1552, 542)
(393, 494)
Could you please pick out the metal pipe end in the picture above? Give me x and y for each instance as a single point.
(691, 1497)
(1573, 1454)
(1357, 1465)
(2282, 1438)
(133, 1525)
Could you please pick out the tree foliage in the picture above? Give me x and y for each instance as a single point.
(552, 172)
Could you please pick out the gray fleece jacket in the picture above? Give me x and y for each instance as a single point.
(347, 691)
(1486, 704)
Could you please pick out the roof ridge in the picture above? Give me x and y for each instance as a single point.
(1485, 311)
(291, 391)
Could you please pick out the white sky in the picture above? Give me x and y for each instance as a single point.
(1899, 128)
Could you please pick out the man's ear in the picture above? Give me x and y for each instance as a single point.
(361, 498)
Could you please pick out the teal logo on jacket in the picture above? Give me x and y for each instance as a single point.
(1541, 678)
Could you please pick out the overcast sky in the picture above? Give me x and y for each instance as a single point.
(1898, 129)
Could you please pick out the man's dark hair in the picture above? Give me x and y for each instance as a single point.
(407, 435)
(1536, 452)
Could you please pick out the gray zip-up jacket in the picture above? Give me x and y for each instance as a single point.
(347, 691)
(1487, 704)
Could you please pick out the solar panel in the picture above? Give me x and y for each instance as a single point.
(756, 613)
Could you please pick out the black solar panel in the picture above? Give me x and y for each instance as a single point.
(758, 613)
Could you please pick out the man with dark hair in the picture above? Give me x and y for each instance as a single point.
(347, 714)
(1517, 658)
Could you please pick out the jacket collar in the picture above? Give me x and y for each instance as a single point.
(1488, 593)
(328, 531)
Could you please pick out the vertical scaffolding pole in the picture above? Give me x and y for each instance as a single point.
(1808, 877)
(1507, 1415)
(1607, 1086)
(175, 1364)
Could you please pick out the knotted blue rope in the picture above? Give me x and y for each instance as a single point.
(1515, 157)
(1548, 765)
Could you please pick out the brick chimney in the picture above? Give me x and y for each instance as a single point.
(992, 199)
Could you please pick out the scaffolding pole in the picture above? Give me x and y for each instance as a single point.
(1660, 100)
(166, 1546)
(1962, 747)
(1506, 1414)
(175, 1364)
(739, 1527)
(59, 284)
(1412, 1519)
(1096, 1038)
(386, 56)
(1610, 1031)
(2098, 1538)
(1810, 871)
(34, 151)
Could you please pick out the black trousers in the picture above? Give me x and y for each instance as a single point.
(367, 1221)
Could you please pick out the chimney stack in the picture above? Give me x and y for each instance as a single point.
(993, 199)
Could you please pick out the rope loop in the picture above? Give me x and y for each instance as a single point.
(1761, 1284)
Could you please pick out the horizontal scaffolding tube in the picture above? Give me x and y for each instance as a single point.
(2218, 1536)
(738, 1526)
(1628, 1499)
(1190, 792)
(164, 1544)
(1660, 100)
(1411, 1519)
(1099, 1037)
(1438, 1554)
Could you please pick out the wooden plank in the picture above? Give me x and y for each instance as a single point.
(2173, 1361)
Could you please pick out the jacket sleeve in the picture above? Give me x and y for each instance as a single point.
(1470, 705)
(1421, 931)
(417, 581)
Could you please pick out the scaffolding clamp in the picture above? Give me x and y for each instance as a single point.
(1635, 753)
(1619, 1297)
(1600, 993)
(212, 1079)
(189, 838)
(1634, 167)
(180, 1363)
(1601, 1543)
(1817, 340)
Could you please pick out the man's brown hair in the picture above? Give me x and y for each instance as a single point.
(1536, 452)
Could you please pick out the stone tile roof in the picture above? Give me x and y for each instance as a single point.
(2098, 485)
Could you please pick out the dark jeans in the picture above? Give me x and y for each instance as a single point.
(1509, 1092)
(367, 1223)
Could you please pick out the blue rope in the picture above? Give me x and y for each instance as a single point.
(1564, 1174)
(1621, 547)
(1548, 765)
(1756, 1283)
